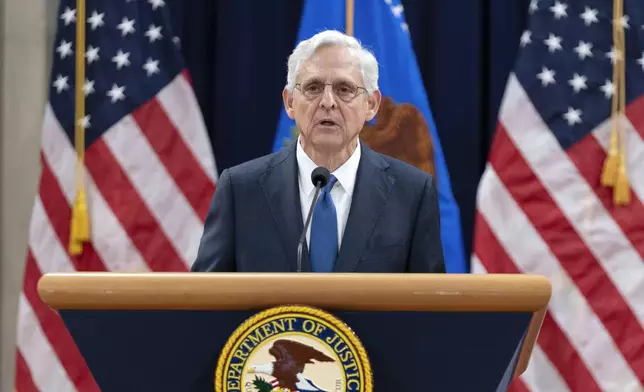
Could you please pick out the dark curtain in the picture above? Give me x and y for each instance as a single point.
(236, 53)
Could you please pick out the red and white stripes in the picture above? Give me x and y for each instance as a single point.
(541, 210)
(149, 180)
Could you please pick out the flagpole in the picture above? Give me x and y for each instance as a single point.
(349, 16)
(614, 171)
(621, 194)
(79, 225)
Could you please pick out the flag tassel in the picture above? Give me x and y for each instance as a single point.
(79, 224)
(611, 164)
(622, 192)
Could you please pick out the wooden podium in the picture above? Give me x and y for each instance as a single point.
(421, 332)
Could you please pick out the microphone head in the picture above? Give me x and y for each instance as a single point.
(320, 175)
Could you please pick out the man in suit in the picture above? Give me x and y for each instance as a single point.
(376, 214)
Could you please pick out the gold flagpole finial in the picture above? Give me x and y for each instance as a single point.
(79, 228)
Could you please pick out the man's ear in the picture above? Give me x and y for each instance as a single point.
(287, 97)
(373, 102)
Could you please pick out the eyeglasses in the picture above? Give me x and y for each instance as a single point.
(343, 90)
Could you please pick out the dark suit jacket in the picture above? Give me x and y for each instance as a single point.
(255, 219)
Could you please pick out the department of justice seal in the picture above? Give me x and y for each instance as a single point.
(293, 349)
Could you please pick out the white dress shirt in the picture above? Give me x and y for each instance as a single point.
(342, 191)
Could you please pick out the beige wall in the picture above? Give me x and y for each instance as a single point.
(27, 28)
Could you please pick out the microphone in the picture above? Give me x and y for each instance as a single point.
(319, 177)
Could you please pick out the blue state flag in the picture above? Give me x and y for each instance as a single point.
(380, 26)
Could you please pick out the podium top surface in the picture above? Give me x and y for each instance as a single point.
(234, 291)
(363, 293)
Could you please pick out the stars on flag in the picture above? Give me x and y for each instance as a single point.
(608, 89)
(534, 6)
(121, 59)
(116, 93)
(84, 121)
(119, 53)
(584, 49)
(96, 20)
(614, 55)
(91, 54)
(156, 3)
(578, 82)
(68, 16)
(589, 16)
(65, 49)
(547, 76)
(154, 33)
(624, 22)
(526, 38)
(573, 116)
(88, 87)
(151, 66)
(126, 26)
(559, 10)
(61, 83)
(553, 42)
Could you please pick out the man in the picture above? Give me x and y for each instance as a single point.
(377, 214)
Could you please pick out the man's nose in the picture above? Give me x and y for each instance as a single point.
(328, 98)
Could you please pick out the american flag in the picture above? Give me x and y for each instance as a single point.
(541, 205)
(149, 172)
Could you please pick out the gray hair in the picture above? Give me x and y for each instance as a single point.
(306, 48)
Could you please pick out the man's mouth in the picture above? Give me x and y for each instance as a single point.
(327, 123)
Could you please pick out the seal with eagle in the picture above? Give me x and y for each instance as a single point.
(290, 359)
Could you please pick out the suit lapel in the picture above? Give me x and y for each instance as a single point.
(281, 189)
(370, 194)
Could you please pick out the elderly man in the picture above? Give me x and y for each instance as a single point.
(375, 214)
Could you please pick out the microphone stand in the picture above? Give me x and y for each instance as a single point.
(300, 243)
